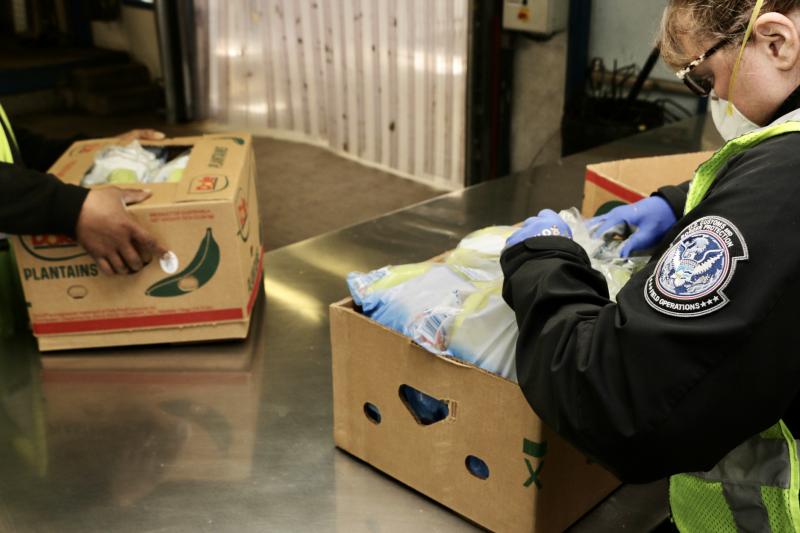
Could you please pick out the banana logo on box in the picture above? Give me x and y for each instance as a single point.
(199, 272)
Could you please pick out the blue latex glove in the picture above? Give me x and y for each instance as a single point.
(650, 219)
(546, 224)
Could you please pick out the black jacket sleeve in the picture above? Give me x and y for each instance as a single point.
(32, 202)
(675, 195)
(39, 152)
(648, 394)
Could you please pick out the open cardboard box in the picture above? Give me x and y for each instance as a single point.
(537, 482)
(629, 180)
(209, 219)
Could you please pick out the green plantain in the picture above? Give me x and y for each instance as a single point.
(195, 275)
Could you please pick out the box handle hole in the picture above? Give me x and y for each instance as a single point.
(477, 467)
(77, 292)
(425, 409)
(373, 413)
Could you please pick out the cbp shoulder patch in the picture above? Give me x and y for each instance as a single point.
(690, 278)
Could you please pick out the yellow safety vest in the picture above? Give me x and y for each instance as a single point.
(6, 151)
(755, 488)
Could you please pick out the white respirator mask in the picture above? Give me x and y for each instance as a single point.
(730, 122)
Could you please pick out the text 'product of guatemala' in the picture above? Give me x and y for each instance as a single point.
(203, 209)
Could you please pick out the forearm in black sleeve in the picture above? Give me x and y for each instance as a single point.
(39, 152)
(557, 298)
(629, 386)
(675, 195)
(35, 203)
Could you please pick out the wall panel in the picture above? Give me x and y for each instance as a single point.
(381, 81)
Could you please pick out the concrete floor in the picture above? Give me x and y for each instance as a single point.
(304, 190)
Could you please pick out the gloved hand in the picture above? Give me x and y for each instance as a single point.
(650, 219)
(546, 224)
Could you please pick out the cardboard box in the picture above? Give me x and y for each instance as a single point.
(536, 482)
(209, 219)
(613, 183)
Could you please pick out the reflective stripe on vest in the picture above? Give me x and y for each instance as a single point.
(706, 173)
(753, 489)
(6, 151)
(756, 487)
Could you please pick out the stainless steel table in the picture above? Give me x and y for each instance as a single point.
(237, 436)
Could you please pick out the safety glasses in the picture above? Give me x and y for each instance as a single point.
(701, 85)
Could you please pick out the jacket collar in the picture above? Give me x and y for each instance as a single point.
(789, 110)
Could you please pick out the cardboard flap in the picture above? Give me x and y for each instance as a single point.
(348, 306)
(452, 360)
(630, 180)
(215, 168)
(73, 164)
(645, 175)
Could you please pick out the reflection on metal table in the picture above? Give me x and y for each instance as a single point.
(238, 436)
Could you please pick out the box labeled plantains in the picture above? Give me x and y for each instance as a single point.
(625, 181)
(208, 218)
(490, 459)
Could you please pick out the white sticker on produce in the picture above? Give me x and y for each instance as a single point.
(169, 263)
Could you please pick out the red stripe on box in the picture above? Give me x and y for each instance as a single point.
(614, 188)
(257, 284)
(151, 321)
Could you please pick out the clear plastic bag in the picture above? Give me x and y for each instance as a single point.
(134, 164)
(455, 307)
(171, 172)
(452, 304)
(604, 253)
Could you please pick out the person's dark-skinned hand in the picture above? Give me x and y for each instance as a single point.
(111, 236)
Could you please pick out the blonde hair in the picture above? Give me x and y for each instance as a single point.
(712, 20)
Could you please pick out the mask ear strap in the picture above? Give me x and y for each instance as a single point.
(747, 34)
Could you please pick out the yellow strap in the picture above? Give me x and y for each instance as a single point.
(706, 174)
(747, 34)
(794, 481)
(6, 154)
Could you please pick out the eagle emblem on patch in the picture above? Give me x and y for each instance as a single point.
(691, 277)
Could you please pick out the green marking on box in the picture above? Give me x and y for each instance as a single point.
(537, 450)
(534, 449)
(534, 475)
